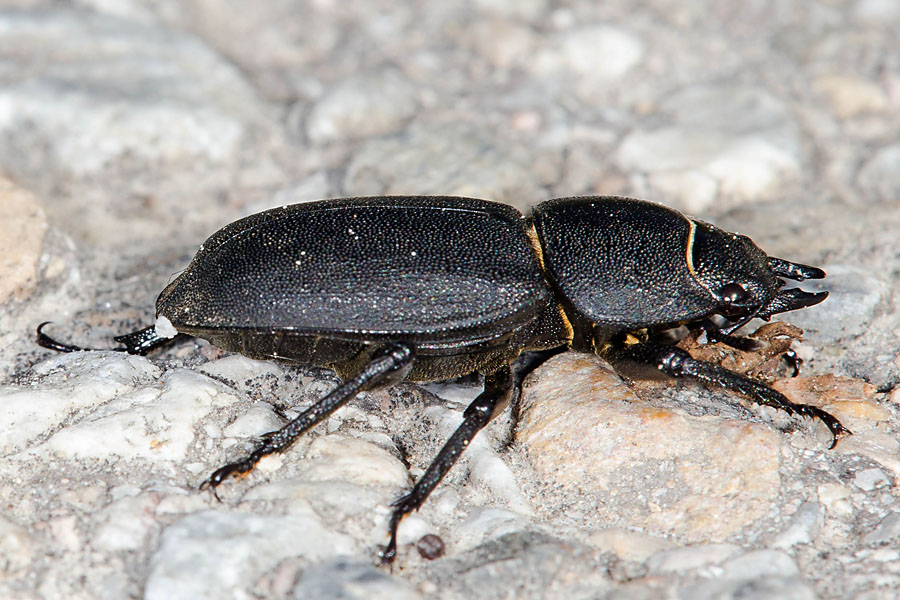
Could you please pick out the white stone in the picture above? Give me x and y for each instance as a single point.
(600, 53)
(162, 96)
(125, 524)
(17, 548)
(164, 327)
(215, 554)
(629, 545)
(724, 144)
(760, 563)
(804, 527)
(881, 172)
(347, 579)
(888, 529)
(869, 479)
(350, 459)
(256, 421)
(689, 558)
(72, 384)
(146, 423)
(238, 368)
(486, 523)
(364, 105)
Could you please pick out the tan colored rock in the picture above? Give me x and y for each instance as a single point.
(22, 227)
(648, 467)
(850, 95)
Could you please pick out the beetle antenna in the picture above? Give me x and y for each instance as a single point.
(138, 342)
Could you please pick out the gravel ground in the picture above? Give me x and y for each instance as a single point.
(132, 130)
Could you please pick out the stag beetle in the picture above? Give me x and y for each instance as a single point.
(421, 288)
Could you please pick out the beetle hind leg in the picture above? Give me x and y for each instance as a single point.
(498, 388)
(644, 360)
(388, 365)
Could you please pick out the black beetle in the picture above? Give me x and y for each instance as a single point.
(426, 288)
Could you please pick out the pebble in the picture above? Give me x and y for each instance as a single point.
(210, 554)
(237, 368)
(485, 524)
(22, 227)
(629, 545)
(768, 588)
(577, 51)
(881, 172)
(162, 96)
(17, 548)
(876, 12)
(887, 530)
(851, 95)
(254, 422)
(855, 296)
(361, 106)
(690, 558)
(527, 10)
(759, 564)
(71, 383)
(443, 158)
(723, 145)
(348, 579)
(804, 527)
(869, 479)
(149, 423)
(125, 524)
(346, 458)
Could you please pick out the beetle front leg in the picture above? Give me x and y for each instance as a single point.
(640, 361)
(389, 365)
(498, 388)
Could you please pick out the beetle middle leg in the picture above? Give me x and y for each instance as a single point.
(644, 360)
(388, 365)
(498, 388)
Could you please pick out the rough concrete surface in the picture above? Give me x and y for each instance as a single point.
(131, 130)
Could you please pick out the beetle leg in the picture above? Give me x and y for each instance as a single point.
(138, 342)
(715, 334)
(388, 366)
(498, 387)
(638, 361)
(524, 366)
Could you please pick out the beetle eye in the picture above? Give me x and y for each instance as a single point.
(733, 293)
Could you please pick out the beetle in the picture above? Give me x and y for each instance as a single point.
(427, 288)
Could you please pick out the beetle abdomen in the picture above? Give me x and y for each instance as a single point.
(619, 261)
(438, 269)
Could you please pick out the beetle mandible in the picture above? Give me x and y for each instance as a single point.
(427, 288)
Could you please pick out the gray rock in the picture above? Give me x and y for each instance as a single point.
(856, 296)
(211, 554)
(768, 588)
(804, 527)
(363, 106)
(690, 558)
(445, 158)
(724, 145)
(760, 564)
(347, 579)
(887, 530)
(881, 172)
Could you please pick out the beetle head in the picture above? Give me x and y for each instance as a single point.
(743, 280)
